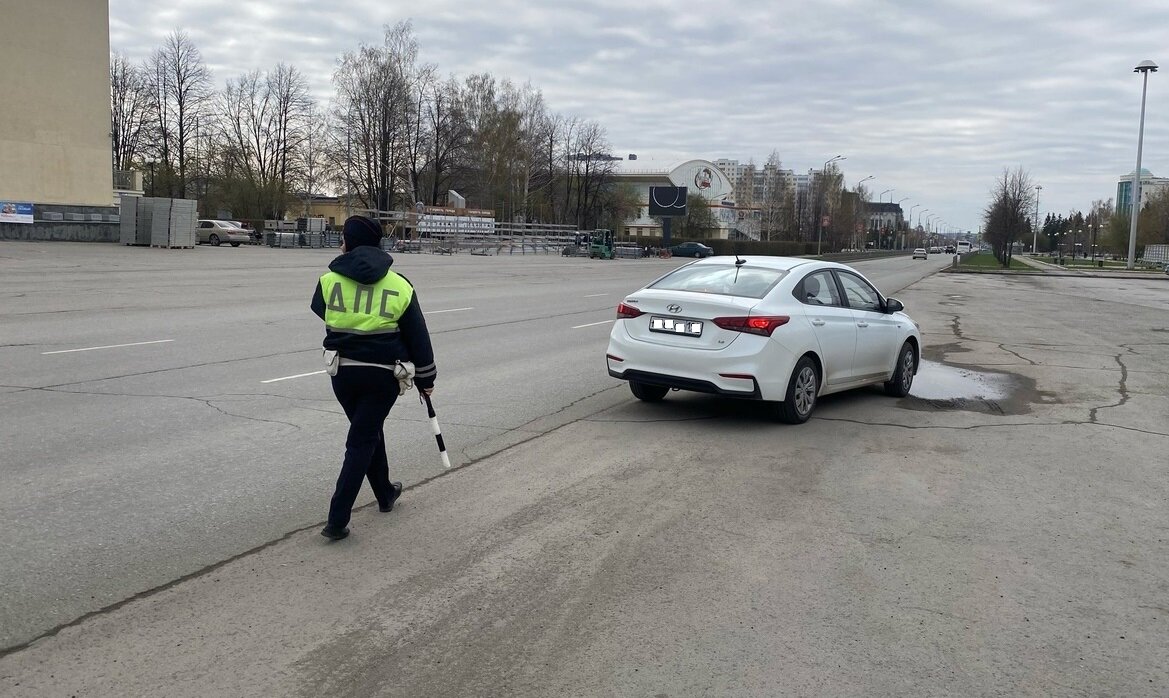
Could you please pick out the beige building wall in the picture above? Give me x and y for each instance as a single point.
(55, 103)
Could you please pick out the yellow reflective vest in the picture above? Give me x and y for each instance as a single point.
(359, 308)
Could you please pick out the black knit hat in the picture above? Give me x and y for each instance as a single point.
(360, 230)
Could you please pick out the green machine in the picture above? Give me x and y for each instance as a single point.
(601, 244)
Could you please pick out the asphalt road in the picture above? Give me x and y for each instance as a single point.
(156, 419)
(1001, 531)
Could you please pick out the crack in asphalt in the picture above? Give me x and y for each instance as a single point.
(1018, 355)
(956, 326)
(204, 401)
(942, 427)
(1122, 388)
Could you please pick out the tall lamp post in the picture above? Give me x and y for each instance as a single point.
(857, 189)
(820, 223)
(901, 222)
(1144, 68)
(881, 196)
(1035, 230)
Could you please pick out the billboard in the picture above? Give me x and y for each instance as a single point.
(667, 201)
(12, 212)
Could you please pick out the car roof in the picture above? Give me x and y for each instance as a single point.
(767, 261)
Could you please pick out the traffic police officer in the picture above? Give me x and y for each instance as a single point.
(372, 319)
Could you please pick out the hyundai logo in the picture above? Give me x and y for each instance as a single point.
(674, 308)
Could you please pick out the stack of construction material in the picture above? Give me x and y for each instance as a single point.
(131, 233)
(158, 222)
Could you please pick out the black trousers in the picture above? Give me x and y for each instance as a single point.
(366, 393)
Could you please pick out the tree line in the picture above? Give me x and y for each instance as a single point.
(1010, 223)
(395, 132)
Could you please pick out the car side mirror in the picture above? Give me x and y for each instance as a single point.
(892, 305)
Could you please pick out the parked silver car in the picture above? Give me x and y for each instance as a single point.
(213, 232)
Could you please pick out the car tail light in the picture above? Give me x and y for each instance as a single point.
(762, 325)
(614, 358)
(627, 311)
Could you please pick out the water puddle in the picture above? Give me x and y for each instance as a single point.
(935, 381)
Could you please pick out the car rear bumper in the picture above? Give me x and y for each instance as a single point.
(751, 367)
(681, 383)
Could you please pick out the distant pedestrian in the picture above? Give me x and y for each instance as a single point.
(372, 319)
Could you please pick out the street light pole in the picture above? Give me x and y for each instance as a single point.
(1035, 230)
(1144, 68)
(820, 223)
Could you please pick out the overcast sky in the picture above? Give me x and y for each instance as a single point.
(934, 98)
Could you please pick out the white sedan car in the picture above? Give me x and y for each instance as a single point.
(779, 329)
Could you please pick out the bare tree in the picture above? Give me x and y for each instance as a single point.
(264, 121)
(181, 84)
(315, 163)
(776, 203)
(372, 95)
(1008, 215)
(130, 109)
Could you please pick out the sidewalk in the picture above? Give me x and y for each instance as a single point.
(1097, 272)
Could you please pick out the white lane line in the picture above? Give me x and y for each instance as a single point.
(595, 295)
(593, 324)
(288, 378)
(449, 310)
(108, 346)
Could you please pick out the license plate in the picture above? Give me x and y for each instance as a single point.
(669, 325)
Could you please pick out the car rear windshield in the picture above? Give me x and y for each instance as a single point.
(723, 279)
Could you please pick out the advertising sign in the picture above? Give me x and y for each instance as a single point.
(667, 201)
(12, 212)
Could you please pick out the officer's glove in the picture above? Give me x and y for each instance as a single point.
(404, 372)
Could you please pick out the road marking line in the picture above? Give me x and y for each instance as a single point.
(108, 346)
(591, 324)
(595, 295)
(449, 310)
(288, 378)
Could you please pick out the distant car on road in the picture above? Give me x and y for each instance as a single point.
(920, 253)
(949, 249)
(778, 329)
(215, 232)
(692, 249)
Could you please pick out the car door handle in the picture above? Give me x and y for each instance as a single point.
(818, 322)
(862, 323)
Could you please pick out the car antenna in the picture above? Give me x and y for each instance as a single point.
(739, 262)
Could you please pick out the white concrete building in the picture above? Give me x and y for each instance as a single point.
(1150, 185)
(55, 109)
(701, 177)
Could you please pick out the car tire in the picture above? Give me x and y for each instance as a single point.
(235, 244)
(802, 389)
(646, 392)
(213, 239)
(902, 379)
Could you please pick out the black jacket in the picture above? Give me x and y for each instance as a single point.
(367, 265)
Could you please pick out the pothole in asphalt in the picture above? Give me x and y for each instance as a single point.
(938, 386)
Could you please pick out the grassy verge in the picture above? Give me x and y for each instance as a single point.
(987, 261)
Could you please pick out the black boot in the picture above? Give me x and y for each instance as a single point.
(334, 533)
(395, 492)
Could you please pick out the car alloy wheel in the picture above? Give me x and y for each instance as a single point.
(902, 379)
(213, 239)
(802, 389)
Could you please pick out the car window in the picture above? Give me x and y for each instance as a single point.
(818, 288)
(204, 224)
(859, 293)
(727, 280)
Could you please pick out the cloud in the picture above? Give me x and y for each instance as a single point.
(933, 99)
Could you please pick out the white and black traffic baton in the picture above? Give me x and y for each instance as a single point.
(446, 461)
